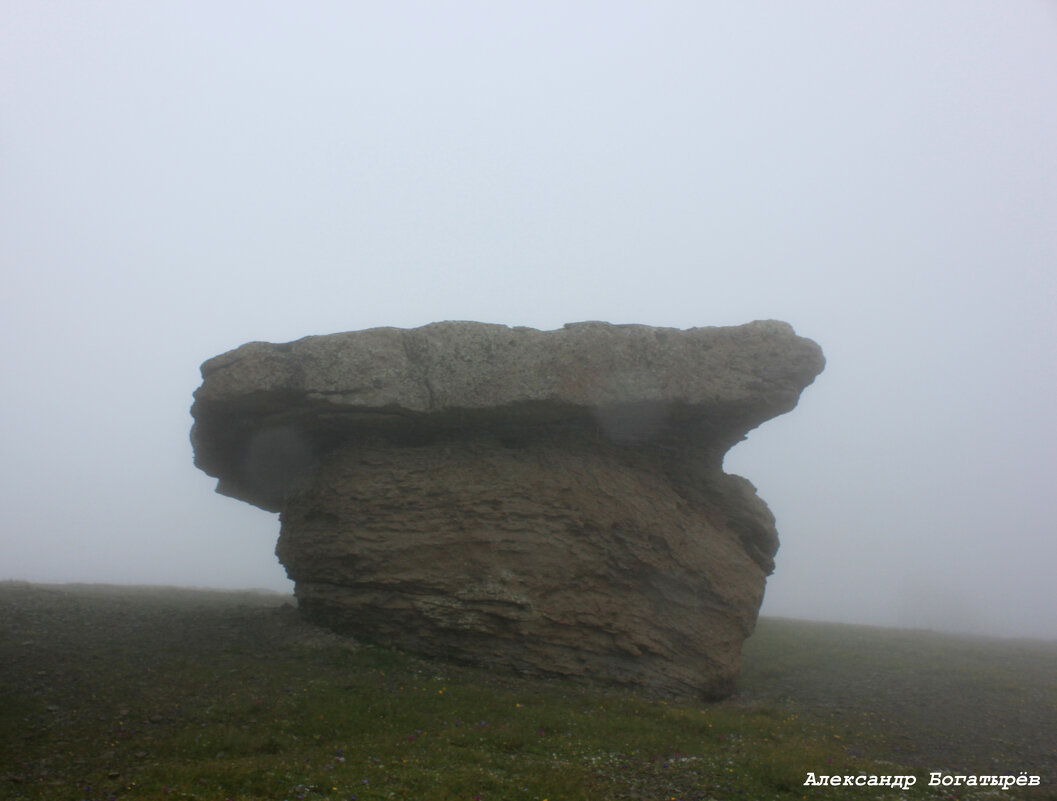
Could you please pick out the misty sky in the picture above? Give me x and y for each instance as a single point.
(178, 178)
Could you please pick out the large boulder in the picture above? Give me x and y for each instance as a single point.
(551, 501)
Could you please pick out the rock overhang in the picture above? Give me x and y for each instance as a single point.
(284, 404)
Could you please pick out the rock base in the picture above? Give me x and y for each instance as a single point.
(575, 558)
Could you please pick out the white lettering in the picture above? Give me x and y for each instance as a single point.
(937, 779)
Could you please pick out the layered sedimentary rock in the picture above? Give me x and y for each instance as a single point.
(550, 501)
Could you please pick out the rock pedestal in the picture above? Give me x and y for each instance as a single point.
(548, 501)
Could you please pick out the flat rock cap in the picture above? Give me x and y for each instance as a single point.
(636, 382)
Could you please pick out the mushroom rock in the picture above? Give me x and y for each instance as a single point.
(548, 501)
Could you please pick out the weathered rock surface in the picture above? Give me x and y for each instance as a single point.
(551, 501)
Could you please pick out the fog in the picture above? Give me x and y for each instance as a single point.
(178, 178)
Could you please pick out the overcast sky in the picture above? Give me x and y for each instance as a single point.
(178, 178)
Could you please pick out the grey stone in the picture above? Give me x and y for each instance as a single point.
(551, 501)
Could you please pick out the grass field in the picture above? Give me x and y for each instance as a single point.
(126, 693)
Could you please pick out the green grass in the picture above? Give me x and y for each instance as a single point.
(162, 716)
